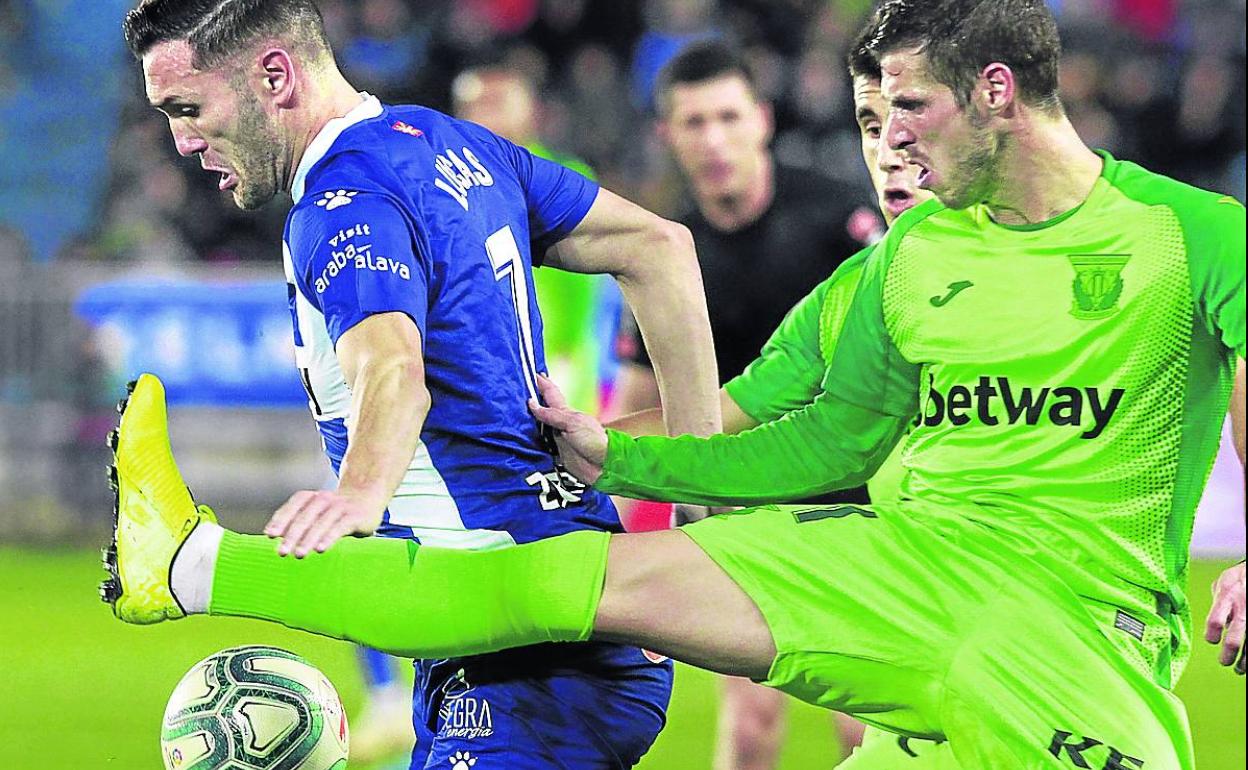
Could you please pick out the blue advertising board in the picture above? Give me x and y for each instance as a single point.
(213, 344)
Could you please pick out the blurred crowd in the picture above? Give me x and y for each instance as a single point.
(90, 187)
(1160, 82)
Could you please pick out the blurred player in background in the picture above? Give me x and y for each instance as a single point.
(505, 100)
(766, 234)
(408, 254)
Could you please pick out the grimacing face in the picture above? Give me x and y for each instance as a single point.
(718, 132)
(215, 116)
(956, 154)
(895, 181)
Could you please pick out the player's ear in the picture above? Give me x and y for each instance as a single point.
(996, 88)
(277, 76)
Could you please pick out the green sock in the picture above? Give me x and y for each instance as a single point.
(415, 601)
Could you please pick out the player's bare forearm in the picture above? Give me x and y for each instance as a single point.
(653, 261)
(647, 422)
(389, 405)
(650, 422)
(665, 292)
(382, 361)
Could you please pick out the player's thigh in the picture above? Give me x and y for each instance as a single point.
(664, 593)
(853, 601)
(1040, 686)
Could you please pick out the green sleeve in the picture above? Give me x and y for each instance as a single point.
(787, 375)
(867, 369)
(1217, 271)
(1213, 232)
(568, 161)
(836, 441)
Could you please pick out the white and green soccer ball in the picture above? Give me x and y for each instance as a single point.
(254, 708)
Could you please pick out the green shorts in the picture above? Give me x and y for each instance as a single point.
(939, 630)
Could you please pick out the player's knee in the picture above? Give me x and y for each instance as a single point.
(753, 744)
(747, 701)
(749, 731)
(754, 725)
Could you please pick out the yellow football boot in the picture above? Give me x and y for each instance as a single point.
(153, 512)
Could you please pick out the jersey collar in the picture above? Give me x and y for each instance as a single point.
(369, 108)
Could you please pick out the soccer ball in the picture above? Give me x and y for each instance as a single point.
(254, 708)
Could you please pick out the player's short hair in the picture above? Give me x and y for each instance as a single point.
(218, 29)
(697, 63)
(961, 37)
(860, 61)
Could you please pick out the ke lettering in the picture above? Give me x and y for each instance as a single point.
(1074, 750)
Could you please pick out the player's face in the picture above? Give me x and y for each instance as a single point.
(895, 181)
(212, 116)
(955, 152)
(718, 132)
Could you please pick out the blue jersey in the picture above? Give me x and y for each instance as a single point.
(404, 209)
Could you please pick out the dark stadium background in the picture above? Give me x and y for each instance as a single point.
(115, 254)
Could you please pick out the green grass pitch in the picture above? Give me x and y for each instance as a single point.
(80, 691)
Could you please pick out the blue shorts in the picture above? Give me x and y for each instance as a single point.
(571, 706)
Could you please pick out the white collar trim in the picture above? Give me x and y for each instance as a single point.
(369, 108)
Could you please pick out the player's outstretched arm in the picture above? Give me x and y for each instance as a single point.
(654, 262)
(785, 377)
(381, 358)
(1225, 624)
(836, 441)
(828, 445)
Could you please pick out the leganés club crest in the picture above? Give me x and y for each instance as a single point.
(1097, 285)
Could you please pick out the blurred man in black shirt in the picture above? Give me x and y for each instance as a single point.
(766, 235)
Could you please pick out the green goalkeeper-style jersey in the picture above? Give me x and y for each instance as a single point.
(1070, 380)
(788, 374)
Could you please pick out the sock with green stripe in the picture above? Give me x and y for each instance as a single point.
(416, 601)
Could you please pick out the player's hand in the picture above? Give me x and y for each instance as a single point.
(313, 521)
(1226, 620)
(582, 440)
